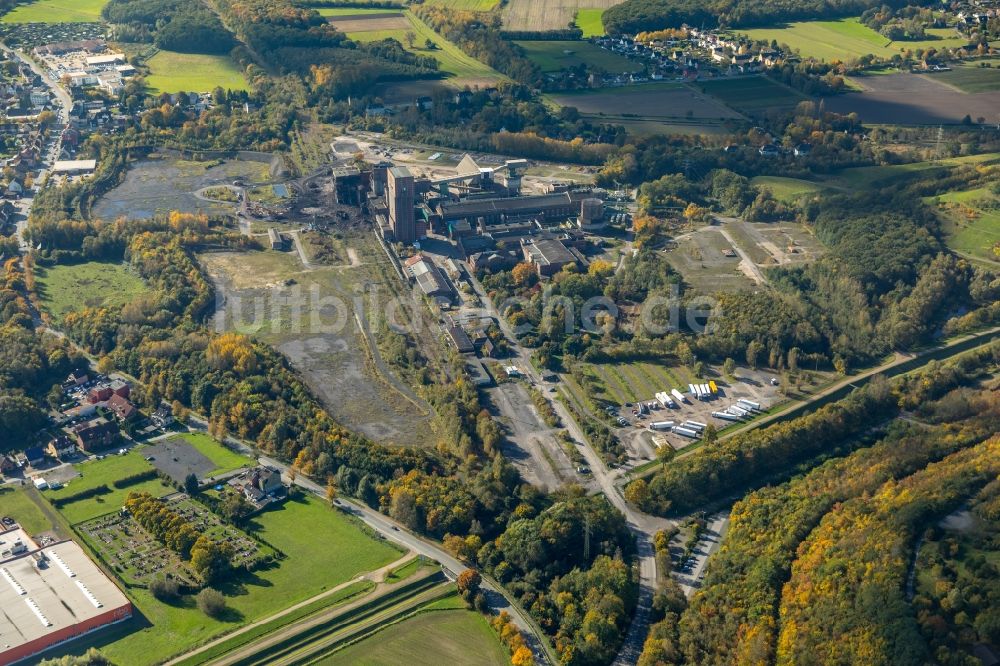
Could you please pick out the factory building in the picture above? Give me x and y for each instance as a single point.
(50, 595)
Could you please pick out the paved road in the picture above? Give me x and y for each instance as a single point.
(643, 526)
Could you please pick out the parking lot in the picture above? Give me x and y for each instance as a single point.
(176, 458)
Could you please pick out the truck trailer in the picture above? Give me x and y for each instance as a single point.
(661, 425)
(686, 432)
(725, 416)
(677, 395)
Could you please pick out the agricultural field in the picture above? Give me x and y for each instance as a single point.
(787, 189)
(356, 11)
(554, 56)
(654, 106)
(312, 537)
(330, 350)
(971, 221)
(466, 5)
(430, 638)
(972, 77)
(461, 68)
(915, 99)
(56, 11)
(751, 93)
(103, 474)
(193, 72)
(70, 288)
(533, 15)
(847, 39)
(160, 184)
(590, 22)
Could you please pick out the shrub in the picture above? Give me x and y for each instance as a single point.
(211, 602)
(164, 589)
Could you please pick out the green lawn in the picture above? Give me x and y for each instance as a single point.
(750, 93)
(191, 72)
(14, 502)
(323, 548)
(431, 638)
(57, 11)
(844, 39)
(450, 58)
(555, 55)
(224, 459)
(971, 78)
(786, 189)
(971, 221)
(589, 20)
(68, 288)
(95, 473)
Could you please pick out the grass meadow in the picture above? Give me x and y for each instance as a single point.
(322, 548)
(437, 635)
(971, 77)
(971, 221)
(553, 56)
(56, 11)
(14, 502)
(68, 288)
(845, 39)
(96, 473)
(172, 72)
(589, 21)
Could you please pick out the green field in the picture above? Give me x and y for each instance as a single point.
(224, 459)
(971, 221)
(751, 93)
(786, 189)
(553, 56)
(57, 11)
(191, 72)
(845, 39)
(95, 473)
(589, 21)
(68, 288)
(357, 11)
(875, 176)
(14, 502)
(450, 58)
(323, 549)
(466, 5)
(971, 78)
(431, 638)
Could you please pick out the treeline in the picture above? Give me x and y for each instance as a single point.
(187, 26)
(30, 364)
(297, 40)
(634, 16)
(734, 617)
(845, 599)
(209, 558)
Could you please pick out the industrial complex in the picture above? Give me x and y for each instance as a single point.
(49, 595)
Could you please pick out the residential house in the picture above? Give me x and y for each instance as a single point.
(35, 455)
(123, 410)
(7, 464)
(61, 447)
(121, 388)
(260, 486)
(163, 416)
(78, 377)
(96, 434)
